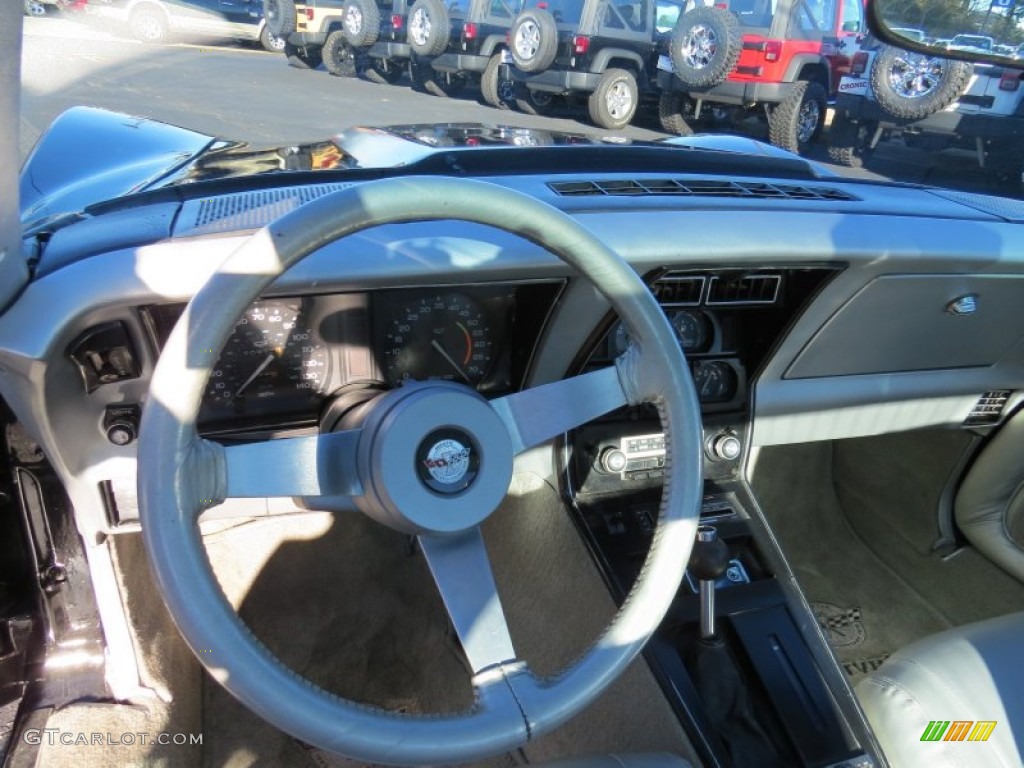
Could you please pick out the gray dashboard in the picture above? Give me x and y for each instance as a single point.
(875, 350)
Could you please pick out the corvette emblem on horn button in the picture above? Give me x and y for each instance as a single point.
(447, 461)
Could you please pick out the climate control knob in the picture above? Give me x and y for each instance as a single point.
(613, 461)
(725, 446)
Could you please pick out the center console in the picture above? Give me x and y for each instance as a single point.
(739, 655)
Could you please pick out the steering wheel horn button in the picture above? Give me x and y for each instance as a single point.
(447, 461)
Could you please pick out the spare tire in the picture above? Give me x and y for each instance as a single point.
(280, 16)
(360, 21)
(705, 46)
(911, 86)
(534, 40)
(338, 56)
(430, 28)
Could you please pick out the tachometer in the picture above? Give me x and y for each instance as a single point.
(441, 336)
(273, 354)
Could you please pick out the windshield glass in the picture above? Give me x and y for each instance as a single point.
(286, 85)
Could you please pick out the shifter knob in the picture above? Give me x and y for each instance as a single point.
(710, 556)
(708, 561)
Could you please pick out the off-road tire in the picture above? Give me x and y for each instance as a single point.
(533, 39)
(338, 56)
(303, 57)
(280, 16)
(383, 71)
(148, 24)
(270, 41)
(531, 102)
(433, 15)
(368, 30)
(496, 91)
(703, 66)
(846, 143)
(670, 114)
(613, 103)
(945, 86)
(785, 120)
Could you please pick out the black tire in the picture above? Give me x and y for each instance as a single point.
(270, 41)
(847, 144)
(670, 114)
(383, 71)
(338, 56)
(280, 16)
(796, 122)
(911, 86)
(705, 46)
(497, 91)
(534, 40)
(304, 57)
(148, 24)
(531, 102)
(614, 101)
(430, 28)
(360, 22)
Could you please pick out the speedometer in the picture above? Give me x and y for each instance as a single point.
(440, 336)
(273, 355)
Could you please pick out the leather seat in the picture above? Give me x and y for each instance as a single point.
(990, 503)
(960, 677)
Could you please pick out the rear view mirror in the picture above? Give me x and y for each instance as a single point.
(977, 30)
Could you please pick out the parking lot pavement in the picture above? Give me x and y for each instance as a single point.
(236, 91)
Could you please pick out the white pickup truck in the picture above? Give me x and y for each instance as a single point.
(933, 103)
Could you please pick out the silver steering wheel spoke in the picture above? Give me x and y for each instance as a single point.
(539, 414)
(462, 571)
(311, 466)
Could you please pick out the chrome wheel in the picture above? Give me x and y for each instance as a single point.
(807, 122)
(527, 41)
(419, 26)
(619, 101)
(699, 46)
(914, 76)
(353, 20)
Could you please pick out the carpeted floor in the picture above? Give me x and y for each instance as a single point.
(856, 520)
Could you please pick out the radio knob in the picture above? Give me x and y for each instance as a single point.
(613, 460)
(726, 446)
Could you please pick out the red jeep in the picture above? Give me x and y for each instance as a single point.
(790, 60)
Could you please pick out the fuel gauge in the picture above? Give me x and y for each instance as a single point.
(693, 328)
(715, 381)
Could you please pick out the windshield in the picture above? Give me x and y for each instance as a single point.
(285, 84)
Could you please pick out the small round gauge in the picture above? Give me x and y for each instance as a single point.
(693, 329)
(272, 354)
(715, 381)
(443, 336)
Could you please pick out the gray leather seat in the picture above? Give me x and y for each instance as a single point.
(990, 503)
(969, 674)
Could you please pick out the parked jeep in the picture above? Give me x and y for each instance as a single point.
(933, 103)
(606, 49)
(461, 41)
(793, 54)
(348, 36)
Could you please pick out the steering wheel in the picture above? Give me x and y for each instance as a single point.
(432, 459)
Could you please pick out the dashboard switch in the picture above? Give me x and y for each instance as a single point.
(121, 424)
(104, 354)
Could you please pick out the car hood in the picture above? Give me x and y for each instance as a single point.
(92, 155)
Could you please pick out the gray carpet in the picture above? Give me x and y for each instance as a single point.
(857, 521)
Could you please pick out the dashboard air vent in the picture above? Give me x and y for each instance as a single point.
(697, 188)
(679, 290)
(744, 289)
(988, 409)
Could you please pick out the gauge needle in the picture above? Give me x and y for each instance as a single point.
(260, 369)
(444, 353)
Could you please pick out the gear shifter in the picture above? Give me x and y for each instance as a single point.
(708, 561)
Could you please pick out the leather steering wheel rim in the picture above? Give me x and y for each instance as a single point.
(181, 474)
